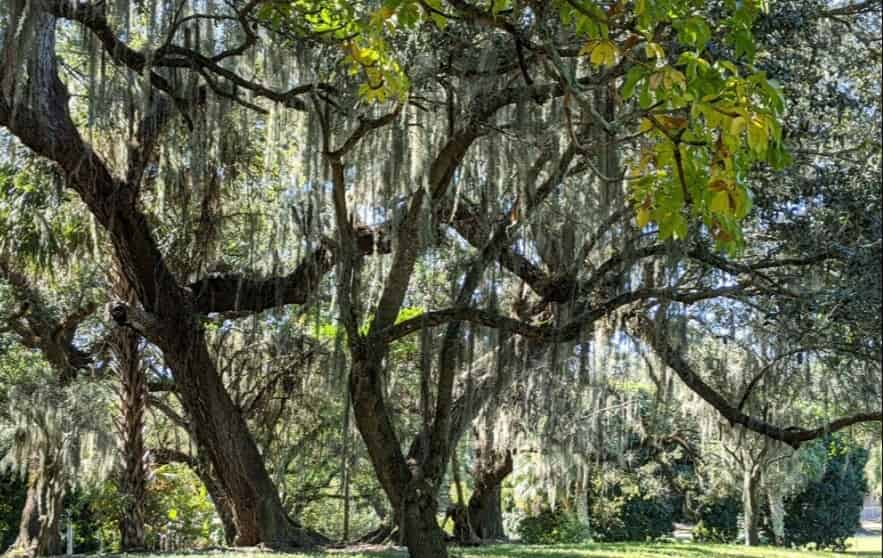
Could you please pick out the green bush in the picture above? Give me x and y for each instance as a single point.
(552, 527)
(632, 518)
(12, 499)
(828, 511)
(718, 520)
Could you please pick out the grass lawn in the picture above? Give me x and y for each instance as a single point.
(866, 546)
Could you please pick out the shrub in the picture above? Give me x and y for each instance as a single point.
(631, 505)
(12, 499)
(718, 520)
(828, 510)
(552, 527)
(632, 518)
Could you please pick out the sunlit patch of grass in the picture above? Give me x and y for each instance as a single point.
(864, 547)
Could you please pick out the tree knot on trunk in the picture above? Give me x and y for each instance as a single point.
(141, 321)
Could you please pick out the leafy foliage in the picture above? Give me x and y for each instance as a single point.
(552, 527)
(178, 506)
(718, 520)
(632, 518)
(627, 506)
(705, 121)
(828, 510)
(12, 500)
(687, 114)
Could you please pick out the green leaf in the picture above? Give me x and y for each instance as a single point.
(694, 32)
(757, 134)
(631, 80)
(500, 5)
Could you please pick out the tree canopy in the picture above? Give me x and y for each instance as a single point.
(315, 250)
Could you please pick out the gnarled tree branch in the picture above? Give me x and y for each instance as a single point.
(793, 436)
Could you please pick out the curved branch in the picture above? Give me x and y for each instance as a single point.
(236, 293)
(792, 435)
(567, 332)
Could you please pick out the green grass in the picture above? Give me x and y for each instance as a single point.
(866, 547)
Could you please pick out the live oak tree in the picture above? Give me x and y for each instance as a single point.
(34, 102)
(40, 408)
(557, 145)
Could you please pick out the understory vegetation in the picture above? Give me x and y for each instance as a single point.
(439, 275)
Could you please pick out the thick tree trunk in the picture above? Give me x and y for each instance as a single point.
(751, 506)
(217, 424)
(486, 512)
(38, 533)
(133, 483)
(234, 457)
(412, 497)
(485, 506)
(423, 537)
(133, 405)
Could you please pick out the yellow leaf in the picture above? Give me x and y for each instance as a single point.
(646, 125)
(718, 185)
(642, 217)
(720, 203)
(605, 53)
(654, 50)
(757, 134)
(673, 122)
(741, 202)
(673, 77)
(587, 48)
(655, 80)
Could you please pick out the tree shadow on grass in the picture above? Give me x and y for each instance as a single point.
(646, 550)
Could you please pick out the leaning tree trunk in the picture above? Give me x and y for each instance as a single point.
(133, 406)
(223, 506)
(38, 533)
(220, 428)
(751, 505)
(485, 507)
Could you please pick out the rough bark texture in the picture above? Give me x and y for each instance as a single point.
(751, 505)
(133, 406)
(38, 533)
(485, 508)
(133, 399)
(412, 497)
